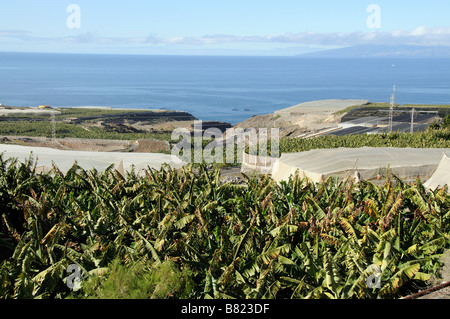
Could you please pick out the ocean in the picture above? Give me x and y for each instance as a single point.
(229, 89)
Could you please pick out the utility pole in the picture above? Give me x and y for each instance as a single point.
(391, 110)
(53, 119)
(412, 120)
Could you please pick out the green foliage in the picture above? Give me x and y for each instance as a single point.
(428, 139)
(187, 235)
(443, 124)
(137, 281)
(446, 122)
(84, 127)
(44, 129)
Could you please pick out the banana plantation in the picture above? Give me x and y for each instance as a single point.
(432, 138)
(297, 239)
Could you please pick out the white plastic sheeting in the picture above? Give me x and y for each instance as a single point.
(441, 176)
(331, 105)
(367, 163)
(64, 160)
(260, 164)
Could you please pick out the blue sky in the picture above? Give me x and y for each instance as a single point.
(245, 27)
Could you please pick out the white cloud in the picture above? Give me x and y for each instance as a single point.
(422, 35)
(420, 31)
(419, 36)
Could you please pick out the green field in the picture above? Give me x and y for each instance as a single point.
(44, 129)
(83, 123)
(430, 139)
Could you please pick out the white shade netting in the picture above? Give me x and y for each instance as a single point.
(64, 160)
(441, 176)
(369, 163)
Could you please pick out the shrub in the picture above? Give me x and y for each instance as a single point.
(446, 122)
(137, 281)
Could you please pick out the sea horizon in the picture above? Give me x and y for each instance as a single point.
(223, 88)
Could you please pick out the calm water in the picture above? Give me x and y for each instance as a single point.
(228, 89)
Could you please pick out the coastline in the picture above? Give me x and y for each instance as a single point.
(293, 121)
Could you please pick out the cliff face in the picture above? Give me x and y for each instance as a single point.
(305, 117)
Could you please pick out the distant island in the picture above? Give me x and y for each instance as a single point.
(383, 51)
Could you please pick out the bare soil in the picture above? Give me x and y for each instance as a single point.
(443, 293)
(90, 145)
